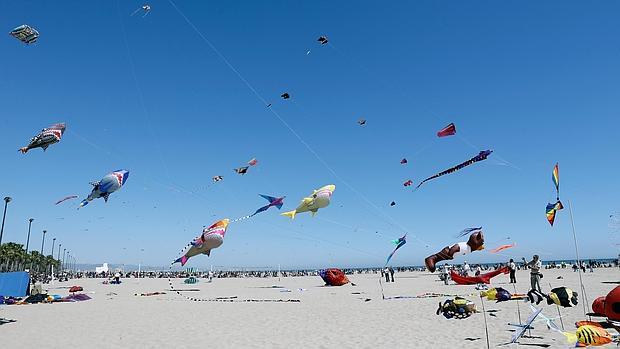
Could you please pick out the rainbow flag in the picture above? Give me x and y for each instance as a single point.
(556, 177)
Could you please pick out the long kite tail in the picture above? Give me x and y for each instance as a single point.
(481, 156)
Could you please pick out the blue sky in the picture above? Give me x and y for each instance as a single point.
(535, 82)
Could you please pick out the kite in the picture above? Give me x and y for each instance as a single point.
(399, 243)
(322, 40)
(502, 247)
(480, 279)
(408, 183)
(458, 308)
(320, 198)
(501, 295)
(590, 335)
(285, 95)
(608, 306)
(242, 170)
(217, 179)
(403, 161)
(253, 162)
(45, 138)
(361, 122)
(468, 231)
(553, 208)
(106, 186)
(66, 198)
(392, 203)
(563, 296)
(528, 324)
(273, 202)
(474, 243)
(333, 277)
(25, 34)
(449, 130)
(211, 237)
(146, 8)
(481, 156)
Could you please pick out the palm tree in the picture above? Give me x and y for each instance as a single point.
(14, 258)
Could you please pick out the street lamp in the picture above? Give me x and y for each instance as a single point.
(7, 199)
(59, 246)
(64, 253)
(43, 242)
(53, 242)
(28, 239)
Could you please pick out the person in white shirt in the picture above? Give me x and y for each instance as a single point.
(535, 265)
(466, 269)
(513, 269)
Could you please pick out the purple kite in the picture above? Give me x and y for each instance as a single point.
(66, 198)
(277, 202)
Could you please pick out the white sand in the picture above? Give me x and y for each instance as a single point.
(327, 317)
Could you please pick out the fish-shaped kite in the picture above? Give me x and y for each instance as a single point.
(211, 237)
(106, 186)
(273, 201)
(483, 155)
(320, 198)
(65, 199)
(399, 243)
(45, 138)
(449, 130)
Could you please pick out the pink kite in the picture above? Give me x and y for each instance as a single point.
(502, 247)
(253, 162)
(481, 279)
(449, 130)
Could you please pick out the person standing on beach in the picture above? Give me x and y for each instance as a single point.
(513, 269)
(392, 273)
(466, 269)
(386, 271)
(535, 264)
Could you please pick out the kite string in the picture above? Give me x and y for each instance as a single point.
(286, 124)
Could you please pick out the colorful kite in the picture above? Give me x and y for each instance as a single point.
(319, 199)
(211, 237)
(502, 247)
(334, 277)
(106, 186)
(399, 243)
(25, 34)
(65, 199)
(408, 183)
(45, 138)
(277, 202)
(483, 155)
(253, 162)
(449, 130)
(551, 209)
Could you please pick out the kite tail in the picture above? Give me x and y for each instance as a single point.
(24, 150)
(182, 260)
(290, 214)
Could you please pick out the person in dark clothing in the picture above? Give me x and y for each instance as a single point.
(513, 270)
(392, 273)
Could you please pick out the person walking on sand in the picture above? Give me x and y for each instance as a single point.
(535, 265)
(513, 269)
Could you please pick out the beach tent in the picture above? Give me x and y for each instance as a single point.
(14, 284)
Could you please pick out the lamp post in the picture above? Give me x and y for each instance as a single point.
(53, 242)
(7, 199)
(28, 239)
(59, 246)
(43, 242)
(64, 253)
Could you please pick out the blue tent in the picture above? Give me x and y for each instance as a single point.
(14, 284)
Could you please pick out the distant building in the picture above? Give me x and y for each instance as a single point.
(102, 269)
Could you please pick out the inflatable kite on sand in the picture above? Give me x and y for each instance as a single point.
(480, 279)
(106, 186)
(474, 243)
(45, 138)
(334, 277)
(319, 199)
(211, 237)
(608, 306)
(458, 308)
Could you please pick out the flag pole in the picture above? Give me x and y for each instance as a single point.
(583, 290)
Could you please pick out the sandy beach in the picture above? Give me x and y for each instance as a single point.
(325, 317)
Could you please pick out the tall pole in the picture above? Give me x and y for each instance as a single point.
(28, 239)
(64, 253)
(7, 199)
(583, 289)
(59, 246)
(43, 242)
(53, 242)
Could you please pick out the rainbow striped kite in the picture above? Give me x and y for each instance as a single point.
(556, 178)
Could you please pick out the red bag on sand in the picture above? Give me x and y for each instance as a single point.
(74, 289)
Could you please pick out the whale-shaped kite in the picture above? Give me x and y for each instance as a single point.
(319, 199)
(106, 186)
(211, 237)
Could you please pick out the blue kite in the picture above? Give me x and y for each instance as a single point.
(399, 243)
(277, 202)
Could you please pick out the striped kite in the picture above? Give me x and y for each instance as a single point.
(449, 130)
(553, 208)
(481, 156)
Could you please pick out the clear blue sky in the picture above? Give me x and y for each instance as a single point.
(536, 82)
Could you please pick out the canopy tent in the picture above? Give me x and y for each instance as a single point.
(14, 284)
